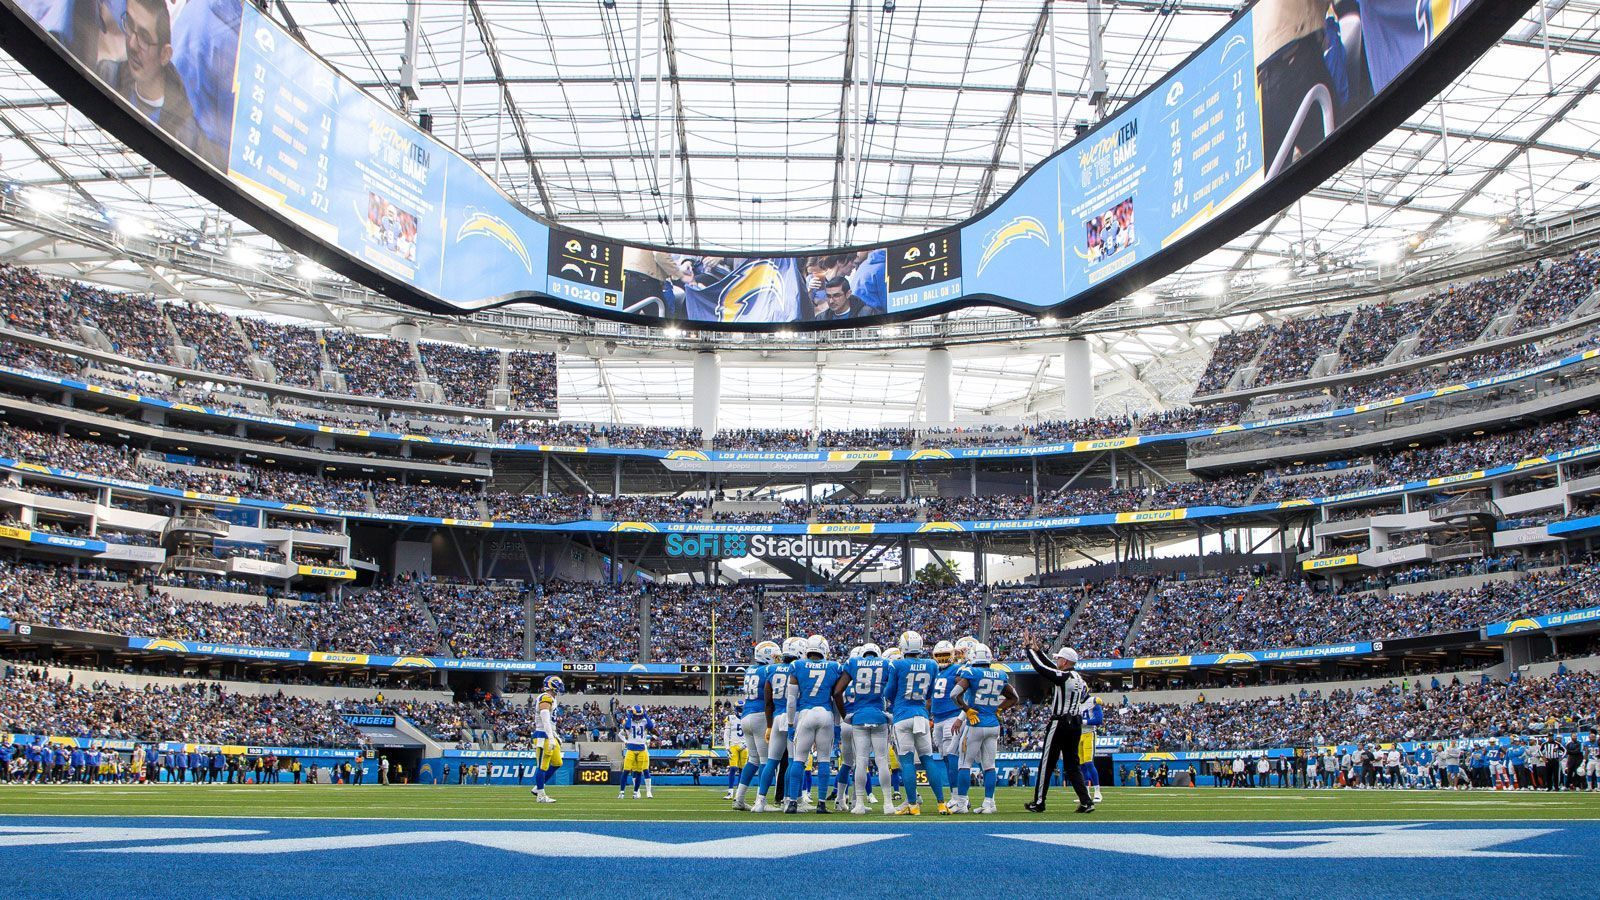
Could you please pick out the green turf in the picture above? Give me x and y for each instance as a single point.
(706, 804)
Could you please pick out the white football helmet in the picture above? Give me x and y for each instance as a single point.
(892, 653)
(979, 654)
(819, 645)
(911, 644)
(944, 653)
(870, 649)
(794, 647)
(855, 652)
(964, 645)
(766, 652)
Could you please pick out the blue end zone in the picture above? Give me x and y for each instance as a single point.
(201, 857)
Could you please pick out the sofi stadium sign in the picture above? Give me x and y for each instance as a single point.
(762, 545)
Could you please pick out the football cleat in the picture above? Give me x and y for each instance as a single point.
(790, 807)
(944, 809)
(1032, 807)
(741, 806)
(760, 805)
(987, 809)
(858, 810)
(913, 809)
(546, 798)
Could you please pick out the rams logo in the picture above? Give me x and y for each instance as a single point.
(495, 228)
(1522, 625)
(645, 527)
(169, 645)
(1021, 228)
(414, 662)
(695, 455)
(937, 527)
(930, 453)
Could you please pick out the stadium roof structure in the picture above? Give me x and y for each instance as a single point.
(797, 125)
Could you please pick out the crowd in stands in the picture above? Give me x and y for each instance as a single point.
(1409, 711)
(531, 378)
(1564, 285)
(464, 374)
(214, 339)
(1294, 345)
(196, 712)
(374, 367)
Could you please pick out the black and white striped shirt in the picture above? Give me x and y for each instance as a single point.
(1071, 691)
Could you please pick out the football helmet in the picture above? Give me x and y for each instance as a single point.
(554, 685)
(979, 654)
(911, 643)
(766, 652)
(871, 649)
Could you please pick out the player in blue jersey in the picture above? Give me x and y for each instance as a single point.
(637, 727)
(865, 679)
(983, 693)
(910, 690)
(1093, 717)
(947, 718)
(753, 719)
(775, 703)
(545, 738)
(814, 708)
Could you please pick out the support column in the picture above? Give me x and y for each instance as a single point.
(936, 387)
(1077, 398)
(707, 391)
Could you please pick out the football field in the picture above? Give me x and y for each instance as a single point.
(316, 841)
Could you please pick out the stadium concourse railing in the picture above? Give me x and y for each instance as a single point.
(846, 529)
(1060, 448)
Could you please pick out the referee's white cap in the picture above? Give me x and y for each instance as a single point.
(1068, 654)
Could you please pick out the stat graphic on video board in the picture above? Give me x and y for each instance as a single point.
(315, 153)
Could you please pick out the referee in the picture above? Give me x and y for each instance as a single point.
(1066, 723)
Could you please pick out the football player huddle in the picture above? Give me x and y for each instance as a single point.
(894, 710)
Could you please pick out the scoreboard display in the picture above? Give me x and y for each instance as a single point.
(250, 112)
(594, 773)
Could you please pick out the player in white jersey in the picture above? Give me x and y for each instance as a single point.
(546, 740)
(733, 739)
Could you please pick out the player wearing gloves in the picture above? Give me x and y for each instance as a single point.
(813, 705)
(983, 693)
(545, 739)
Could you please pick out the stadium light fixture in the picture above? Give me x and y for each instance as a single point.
(245, 255)
(1144, 299)
(309, 270)
(672, 332)
(890, 331)
(133, 226)
(1387, 252)
(1049, 321)
(783, 334)
(45, 201)
(1214, 287)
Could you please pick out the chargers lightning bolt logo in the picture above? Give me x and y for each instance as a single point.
(1021, 228)
(496, 228)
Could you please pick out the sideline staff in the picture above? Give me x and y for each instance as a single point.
(1066, 723)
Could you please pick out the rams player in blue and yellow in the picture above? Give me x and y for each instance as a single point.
(637, 728)
(910, 688)
(1093, 717)
(813, 706)
(983, 693)
(545, 738)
